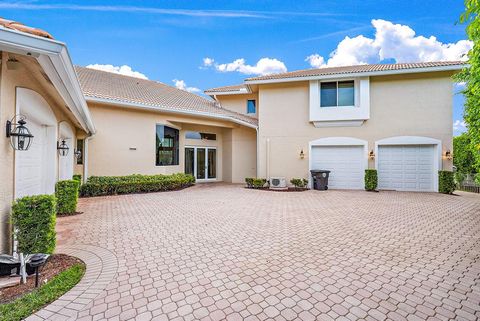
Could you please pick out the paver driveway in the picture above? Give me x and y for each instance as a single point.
(225, 252)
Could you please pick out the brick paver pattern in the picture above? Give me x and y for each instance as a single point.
(220, 251)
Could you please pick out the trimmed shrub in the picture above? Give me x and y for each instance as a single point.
(371, 179)
(33, 217)
(446, 182)
(67, 196)
(113, 185)
(259, 182)
(77, 177)
(249, 182)
(299, 182)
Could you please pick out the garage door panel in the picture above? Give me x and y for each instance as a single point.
(406, 167)
(346, 163)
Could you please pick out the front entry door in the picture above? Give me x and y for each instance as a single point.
(201, 162)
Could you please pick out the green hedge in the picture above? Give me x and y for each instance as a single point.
(371, 179)
(299, 182)
(113, 185)
(446, 182)
(77, 177)
(67, 196)
(34, 219)
(255, 182)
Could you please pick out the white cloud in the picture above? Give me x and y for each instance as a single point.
(391, 41)
(122, 70)
(180, 84)
(459, 126)
(264, 66)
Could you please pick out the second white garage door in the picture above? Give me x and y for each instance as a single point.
(346, 163)
(406, 167)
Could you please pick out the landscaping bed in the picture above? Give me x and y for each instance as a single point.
(289, 189)
(59, 275)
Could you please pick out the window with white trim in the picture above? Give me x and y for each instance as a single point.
(337, 94)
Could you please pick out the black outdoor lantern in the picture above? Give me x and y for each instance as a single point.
(20, 136)
(62, 148)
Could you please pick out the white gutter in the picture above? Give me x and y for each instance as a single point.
(55, 60)
(358, 74)
(112, 102)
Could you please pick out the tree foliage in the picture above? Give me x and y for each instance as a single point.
(471, 77)
(463, 157)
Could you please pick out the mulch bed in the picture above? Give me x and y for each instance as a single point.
(290, 189)
(68, 214)
(56, 263)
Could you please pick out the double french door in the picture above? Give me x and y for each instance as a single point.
(201, 162)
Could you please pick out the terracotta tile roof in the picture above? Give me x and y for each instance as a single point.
(110, 86)
(234, 88)
(14, 25)
(355, 69)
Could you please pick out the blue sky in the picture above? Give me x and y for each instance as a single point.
(169, 40)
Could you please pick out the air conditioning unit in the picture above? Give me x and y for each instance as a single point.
(278, 183)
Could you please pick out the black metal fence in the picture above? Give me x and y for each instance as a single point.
(468, 182)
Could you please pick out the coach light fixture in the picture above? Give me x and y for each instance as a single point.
(448, 154)
(20, 136)
(371, 154)
(62, 148)
(78, 153)
(302, 154)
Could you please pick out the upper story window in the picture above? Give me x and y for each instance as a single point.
(251, 106)
(198, 135)
(167, 146)
(337, 94)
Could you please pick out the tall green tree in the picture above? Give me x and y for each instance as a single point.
(471, 77)
(463, 158)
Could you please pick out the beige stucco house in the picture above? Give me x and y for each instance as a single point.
(395, 118)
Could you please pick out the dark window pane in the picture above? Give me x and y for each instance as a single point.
(80, 148)
(346, 93)
(189, 160)
(167, 146)
(212, 163)
(198, 135)
(328, 94)
(251, 107)
(201, 163)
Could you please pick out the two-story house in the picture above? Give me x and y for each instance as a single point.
(396, 118)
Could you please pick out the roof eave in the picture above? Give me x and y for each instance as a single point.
(54, 58)
(113, 102)
(457, 67)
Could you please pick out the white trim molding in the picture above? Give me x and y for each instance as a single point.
(415, 140)
(342, 115)
(336, 141)
(55, 60)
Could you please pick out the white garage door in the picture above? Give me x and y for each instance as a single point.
(406, 167)
(346, 163)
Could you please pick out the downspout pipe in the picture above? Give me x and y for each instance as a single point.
(85, 157)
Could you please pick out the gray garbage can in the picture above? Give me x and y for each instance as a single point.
(320, 179)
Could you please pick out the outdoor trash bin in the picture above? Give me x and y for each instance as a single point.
(320, 179)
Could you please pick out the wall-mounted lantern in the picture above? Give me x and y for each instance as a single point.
(448, 154)
(62, 148)
(20, 136)
(371, 155)
(302, 154)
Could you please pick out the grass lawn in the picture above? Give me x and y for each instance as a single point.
(49, 292)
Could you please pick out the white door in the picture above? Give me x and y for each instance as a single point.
(346, 163)
(406, 167)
